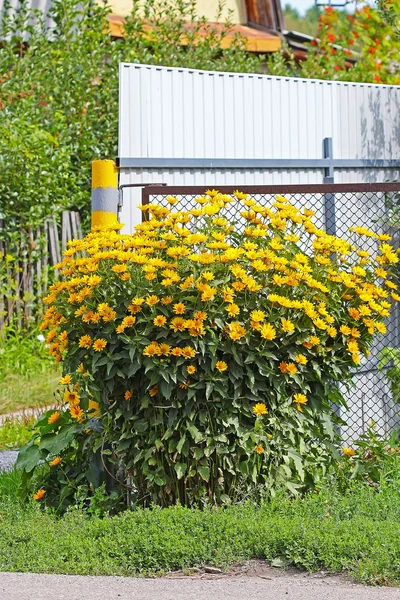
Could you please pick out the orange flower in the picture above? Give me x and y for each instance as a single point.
(54, 417)
(56, 461)
(191, 369)
(128, 395)
(153, 391)
(39, 494)
(166, 300)
(260, 449)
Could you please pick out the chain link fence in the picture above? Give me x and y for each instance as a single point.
(374, 397)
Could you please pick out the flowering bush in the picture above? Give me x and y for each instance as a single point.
(200, 354)
(360, 47)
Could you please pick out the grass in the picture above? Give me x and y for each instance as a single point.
(28, 378)
(356, 532)
(15, 432)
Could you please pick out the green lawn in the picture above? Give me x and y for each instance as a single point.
(357, 532)
(28, 377)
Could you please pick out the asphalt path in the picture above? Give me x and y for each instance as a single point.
(270, 584)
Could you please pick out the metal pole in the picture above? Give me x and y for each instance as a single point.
(104, 193)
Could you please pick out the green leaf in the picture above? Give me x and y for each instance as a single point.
(180, 469)
(204, 473)
(55, 442)
(28, 457)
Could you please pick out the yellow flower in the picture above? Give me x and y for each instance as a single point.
(178, 324)
(260, 449)
(287, 325)
(268, 331)
(257, 316)
(152, 300)
(301, 359)
(176, 351)
(56, 461)
(128, 395)
(291, 369)
(85, 341)
(345, 330)
(53, 418)
(152, 349)
(76, 413)
(166, 300)
(99, 345)
(300, 399)
(221, 366)
(191, 369)
(153, 391)
(260, 409)
(65, 380)
(179, 308)
(232, 309)
(349, 451)
(235, 330)
(71, 397)
(39, 495)
(94, 409)
(188, 352)
(159, 321)
(164, 349)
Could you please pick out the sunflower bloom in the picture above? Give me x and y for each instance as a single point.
(221, 366)
(287, 326)
(260, 449)
(53, 418)
(349, 451)
(85, 341)
(76, 413)
(39, 495)
(301, 359)
(300, 399)
(191, 369)
(260, 409)
(99, 345)
(179, 308)
(66, 380)
(268, 332)
(160, 320)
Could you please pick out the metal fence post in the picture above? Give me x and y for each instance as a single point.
(104, 193)
(329, 198)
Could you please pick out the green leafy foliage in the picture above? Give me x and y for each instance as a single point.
(355, 532)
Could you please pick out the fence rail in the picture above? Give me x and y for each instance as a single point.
(337, 207)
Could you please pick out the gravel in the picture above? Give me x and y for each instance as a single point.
(7, 459)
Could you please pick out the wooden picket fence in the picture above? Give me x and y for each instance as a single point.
(27, 258)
